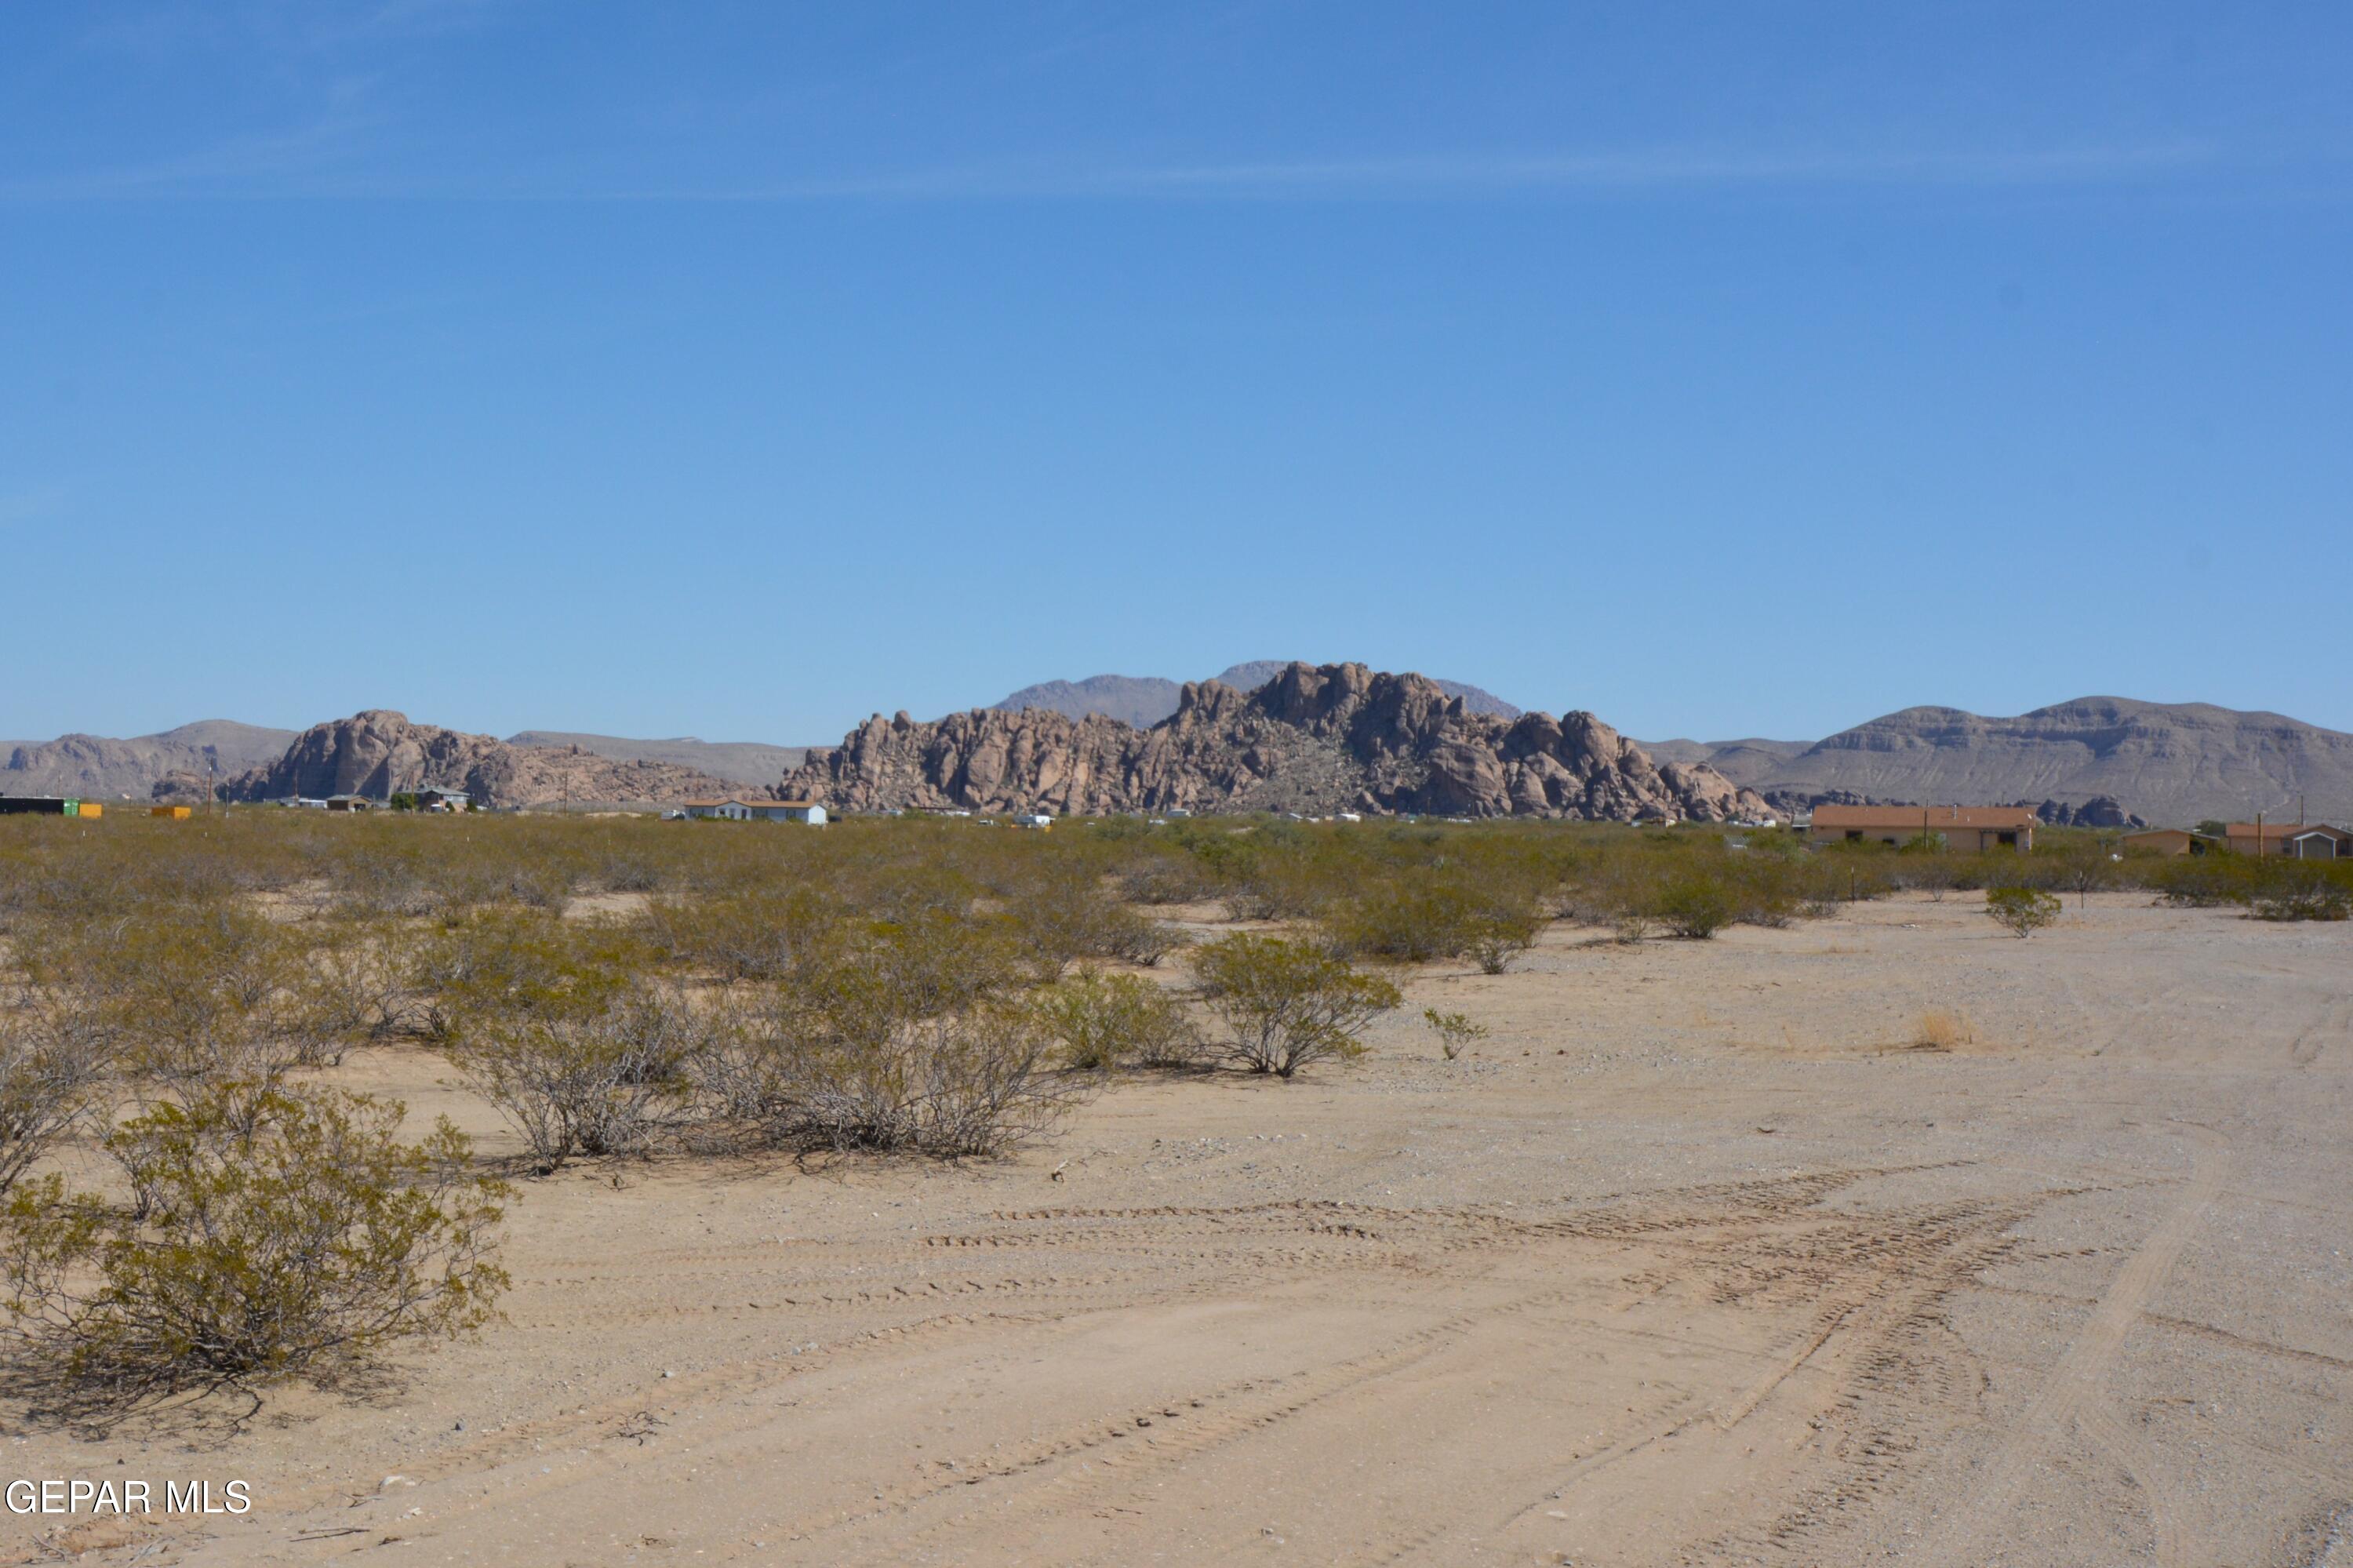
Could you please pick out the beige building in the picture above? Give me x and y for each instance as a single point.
(2167, 840)
(1959, 827)
(2292, 840)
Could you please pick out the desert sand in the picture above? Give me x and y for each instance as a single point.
(1696, 1259)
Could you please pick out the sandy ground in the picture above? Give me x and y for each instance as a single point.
(1694, 1261)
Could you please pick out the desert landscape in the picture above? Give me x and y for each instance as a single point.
(1876, 1234)
(1154, 785)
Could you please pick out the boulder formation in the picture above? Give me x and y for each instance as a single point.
(1314, 739)
(379, 753)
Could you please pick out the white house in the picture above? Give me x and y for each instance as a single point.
(807, 812)
(734, 810)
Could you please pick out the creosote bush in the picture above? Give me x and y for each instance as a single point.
(2302, 890)
(51, 1068)
(1696, 906)
(974, 1083)
(1117, 1020)
(276, 1233)
(1455, 1031)
(593, 1083)
(1287, 1005)
(2021, 911)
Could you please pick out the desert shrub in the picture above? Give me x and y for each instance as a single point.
(1116, 1020)
(754, 933)
(1286, 1004)
(1497, 937)
(2301, 890)
(1455, 1031)
(501, 963)
(895, 972)
(2203, 880)
(1160, 875)
(2021, 911)
(353, 985)
(1061, 920)
(2079, 862)
(596, 1084)
(52, 1065)
(1938, 1030)
(294, 1241)
(975, 1082)
(1769, 886)
(1407, 919)
(1694, 905)
(898, 1041)
(196, 995)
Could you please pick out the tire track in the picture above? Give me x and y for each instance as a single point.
(1966, 1536)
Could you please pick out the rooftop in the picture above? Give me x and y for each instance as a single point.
(1930, 817)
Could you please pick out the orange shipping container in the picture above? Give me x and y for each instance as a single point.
(173, 811)
(92, 809)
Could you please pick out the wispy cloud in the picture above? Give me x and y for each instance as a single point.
(329, 158)
(1451, 176)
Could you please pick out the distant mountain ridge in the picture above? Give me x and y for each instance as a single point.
(2169, 762)
(103, 768)
(1143, 701)
(738, 761)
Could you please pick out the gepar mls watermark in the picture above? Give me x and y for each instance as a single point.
(63, 1495)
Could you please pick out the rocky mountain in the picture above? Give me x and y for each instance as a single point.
(379, 752)
(2167, 762)
(1145, 700)
(100, 767)
(737, 761)
(1313, 739)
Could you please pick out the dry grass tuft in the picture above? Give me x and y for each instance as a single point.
(1941, 1031)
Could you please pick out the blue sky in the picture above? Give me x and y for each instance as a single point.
(739, 370)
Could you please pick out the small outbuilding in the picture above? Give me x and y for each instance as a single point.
(443, 800)
(1964, 827)
(39, 806)
(2291, 840)
(350, 804)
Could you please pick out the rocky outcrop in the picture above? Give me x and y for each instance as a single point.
(2099, 811)
(378, 752)
(1145, 700)
(1313, 739)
